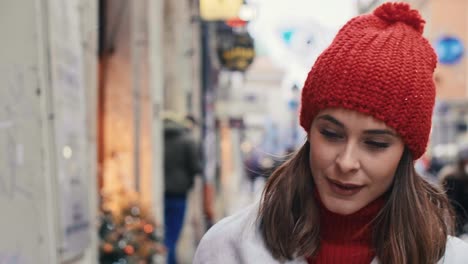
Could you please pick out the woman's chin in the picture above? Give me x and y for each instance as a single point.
(341, 207)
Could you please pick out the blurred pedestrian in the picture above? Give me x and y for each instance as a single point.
(454, 179)
(350, 194)
(253, 166)
(182, 162)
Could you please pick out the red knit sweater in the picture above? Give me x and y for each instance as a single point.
(346, 239)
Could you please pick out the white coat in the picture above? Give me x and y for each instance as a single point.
(237, 239)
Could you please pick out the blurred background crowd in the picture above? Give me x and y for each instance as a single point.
(128, 128)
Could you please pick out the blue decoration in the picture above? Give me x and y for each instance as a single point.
(449, 50)
(287, 35)
(293, 104)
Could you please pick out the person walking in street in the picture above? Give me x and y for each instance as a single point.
(182, 162)
(351, 194)
(454, 179)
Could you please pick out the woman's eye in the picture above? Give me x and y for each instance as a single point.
(377, 144)
(330, 134)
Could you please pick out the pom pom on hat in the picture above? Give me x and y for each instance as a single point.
(400, 12)
(378, 64)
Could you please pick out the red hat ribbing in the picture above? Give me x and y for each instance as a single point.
(378, 64)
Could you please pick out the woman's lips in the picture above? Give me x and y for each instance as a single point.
(344, 189)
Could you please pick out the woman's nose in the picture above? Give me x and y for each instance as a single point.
(347, 160)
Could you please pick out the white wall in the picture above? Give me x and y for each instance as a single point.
(88, 11)
(26, 193)
(47, 139)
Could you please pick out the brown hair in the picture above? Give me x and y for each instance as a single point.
(413, 224)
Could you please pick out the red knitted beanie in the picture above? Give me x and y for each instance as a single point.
(378, 64)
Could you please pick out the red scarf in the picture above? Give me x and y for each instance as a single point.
(346, 238)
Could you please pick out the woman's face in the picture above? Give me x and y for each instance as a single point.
(353, 158)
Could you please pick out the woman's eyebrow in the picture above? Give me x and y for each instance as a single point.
(331, 119)
(380, 132)
(369, 131)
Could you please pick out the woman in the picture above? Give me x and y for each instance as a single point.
(351, 194)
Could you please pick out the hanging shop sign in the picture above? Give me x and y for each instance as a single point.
(212, 10)
(236, 51)
(449, 50)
